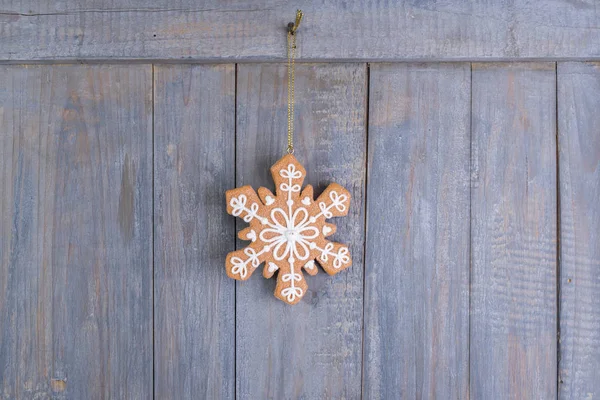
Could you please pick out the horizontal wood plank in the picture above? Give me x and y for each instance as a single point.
(417, 251)
(513, 326)
(194, 164)
(311, 350)
(76, 232)
(579, 164)
(334, 30)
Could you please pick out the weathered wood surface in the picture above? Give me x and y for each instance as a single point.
(513, 215)
(80, 175)
(344, 30)
(194, 164)
(76, 232)
(417, 249)
(579, 165)
(313, 349)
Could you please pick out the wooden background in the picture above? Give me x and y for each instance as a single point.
(468, 134)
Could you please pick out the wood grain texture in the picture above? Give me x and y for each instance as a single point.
(579, 165)
(311, 350)
(417, 250)
(513, 216)
(76, 232)
(339, 29)
(194, 165)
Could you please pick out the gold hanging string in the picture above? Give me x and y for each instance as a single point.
(291, 56)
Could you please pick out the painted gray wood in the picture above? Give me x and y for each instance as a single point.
(76, 192)
(194, 333)
(215, 30)
(417, 248)
(311, 350)
(76, 232)
(513, 215)
(579, 157)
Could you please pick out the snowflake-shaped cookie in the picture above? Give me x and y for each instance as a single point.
(288, 230)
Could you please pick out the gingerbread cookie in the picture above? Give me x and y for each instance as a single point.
(287, 230)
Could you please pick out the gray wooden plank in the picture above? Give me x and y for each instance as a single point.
(513, 217)
(339, 29)
(76, 223)
(417, 249)
(579, 157)
(311, 350)
(194, 165)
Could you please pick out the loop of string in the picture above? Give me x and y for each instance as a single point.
(291, 56)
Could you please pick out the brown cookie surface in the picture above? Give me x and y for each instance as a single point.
(287, 230)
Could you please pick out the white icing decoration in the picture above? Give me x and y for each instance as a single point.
(273, 267)
(291, 292)
(340, 258)
(289, 236)
(290, 173)
(337, 201)
(289, 233)
(240, 267)
(239, 206)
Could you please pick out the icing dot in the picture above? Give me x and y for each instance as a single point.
(290, 234)
(267, 248)
(312, 219)
(290, 202)
(312, 245)
(291, 259)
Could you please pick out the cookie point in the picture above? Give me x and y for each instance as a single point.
(286, 160)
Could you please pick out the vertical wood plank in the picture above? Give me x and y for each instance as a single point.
(311, 350)
(76, 232)
(579, 164)
(194, 165)
(513, 203)
(417, 250)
